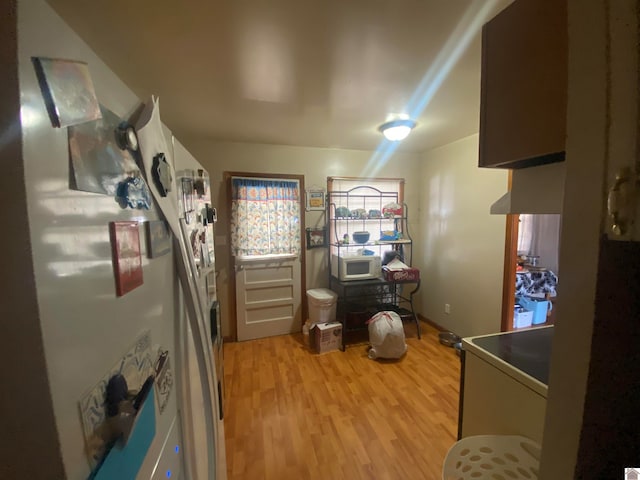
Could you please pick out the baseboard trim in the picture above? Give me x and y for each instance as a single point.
(438, 327)
(422, 318)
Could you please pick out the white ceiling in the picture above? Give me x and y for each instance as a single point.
(296, 72)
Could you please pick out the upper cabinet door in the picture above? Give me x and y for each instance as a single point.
(524, 85)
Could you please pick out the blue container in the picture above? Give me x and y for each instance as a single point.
(538, 306)
(124, 461)
(360, 237)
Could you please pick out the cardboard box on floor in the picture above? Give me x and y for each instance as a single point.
(325, 337)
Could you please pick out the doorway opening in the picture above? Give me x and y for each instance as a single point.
(532, 246)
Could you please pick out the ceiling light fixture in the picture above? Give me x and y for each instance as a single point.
(397, 130)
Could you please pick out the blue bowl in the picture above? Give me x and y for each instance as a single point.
(360, 237)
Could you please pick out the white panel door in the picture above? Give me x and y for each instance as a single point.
(268, 297)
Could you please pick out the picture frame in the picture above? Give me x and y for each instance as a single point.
(158, 238)
(316, 237)
(315, 199)
(127, 262)
(67, 90)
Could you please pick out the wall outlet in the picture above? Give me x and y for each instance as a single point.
(447, 308)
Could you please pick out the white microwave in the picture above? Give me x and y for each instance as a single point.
(356, 267)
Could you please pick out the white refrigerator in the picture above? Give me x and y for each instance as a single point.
(203, 458)
(69, 329)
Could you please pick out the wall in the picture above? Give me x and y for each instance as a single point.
(316, 164)
(462, 247)
(588, 123)
(534, 190)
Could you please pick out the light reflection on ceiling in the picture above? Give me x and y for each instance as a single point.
(266, 64)
(326, 73)
(360, 72)
(466, 30)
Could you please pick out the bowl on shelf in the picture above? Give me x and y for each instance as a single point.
(360, 213)
(360, 237)
(343, 212)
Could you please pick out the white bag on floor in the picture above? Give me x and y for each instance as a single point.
(386, 335)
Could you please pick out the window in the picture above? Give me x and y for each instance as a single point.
(539, 235)
(525, 233)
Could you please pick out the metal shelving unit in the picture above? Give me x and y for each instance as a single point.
(363, 209)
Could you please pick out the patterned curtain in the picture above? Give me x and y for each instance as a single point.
(265, 217)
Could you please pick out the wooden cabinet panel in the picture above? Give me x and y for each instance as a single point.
(524, 85)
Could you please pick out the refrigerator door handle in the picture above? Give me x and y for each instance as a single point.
(187, 272)
(621, 201)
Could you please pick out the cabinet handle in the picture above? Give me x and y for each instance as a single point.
(620, 201)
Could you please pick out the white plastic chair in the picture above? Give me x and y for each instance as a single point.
(495, 457)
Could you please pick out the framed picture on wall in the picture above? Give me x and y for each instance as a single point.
(315, 199)
(316, 237)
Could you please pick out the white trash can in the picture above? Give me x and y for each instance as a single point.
(322, 305)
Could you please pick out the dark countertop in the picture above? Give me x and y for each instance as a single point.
(525, 352)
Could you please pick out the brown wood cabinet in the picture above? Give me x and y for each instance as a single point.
(524, 85)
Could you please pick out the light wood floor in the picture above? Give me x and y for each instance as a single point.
(292, 414)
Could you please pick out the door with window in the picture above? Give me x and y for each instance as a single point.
(266, 231)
